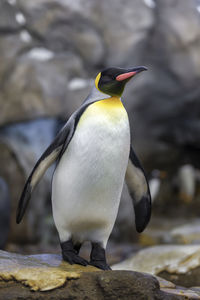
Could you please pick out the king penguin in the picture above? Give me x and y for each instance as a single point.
(94, 156)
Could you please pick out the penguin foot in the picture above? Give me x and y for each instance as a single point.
(98, 257)
(70, 254)
(73, 258)
(100, 264)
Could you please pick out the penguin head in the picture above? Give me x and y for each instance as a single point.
(112, 81)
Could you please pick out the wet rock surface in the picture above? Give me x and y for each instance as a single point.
(172, 258)
(21, 275)
(171, 231)
(190, 279)
(179, 264)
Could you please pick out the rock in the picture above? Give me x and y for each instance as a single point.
(171, 288)
(96, 34)
(179, 264)
(48, 273)
(46, 96)
(165, 114)
(37, 72)
(8, 22)
(188, 279)
(21, 145)
(187, 233)
(4, 213)
(170, 231)
(165, 283)
(65, 37)
(124, 35)
(64, 29)
(172, 258)
(14, 178)
(187, 294)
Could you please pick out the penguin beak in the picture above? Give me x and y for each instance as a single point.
(130, 73)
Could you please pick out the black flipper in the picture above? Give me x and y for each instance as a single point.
(139, 190)
(47, 158)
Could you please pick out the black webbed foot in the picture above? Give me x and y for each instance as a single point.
(73, 258)
(100, 264)
(98, 257)
(70, 254)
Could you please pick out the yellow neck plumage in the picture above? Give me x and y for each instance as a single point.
(110, 108)
(97, 81)
(110, 103)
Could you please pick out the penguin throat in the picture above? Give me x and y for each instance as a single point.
(110, 103)
(104, 111)
(114, 88)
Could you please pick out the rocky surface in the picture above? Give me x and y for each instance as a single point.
(172, 258)
(177, 263)
(171, 231)
(30, 276)
(189, 279)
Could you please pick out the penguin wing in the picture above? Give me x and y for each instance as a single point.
(52, 153)
(47, 158)
(139, 190)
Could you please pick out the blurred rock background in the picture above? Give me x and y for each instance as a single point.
(50, 53)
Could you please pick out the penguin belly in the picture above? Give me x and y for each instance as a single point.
(88, 180)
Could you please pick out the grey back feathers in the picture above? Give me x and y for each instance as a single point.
(95, 95)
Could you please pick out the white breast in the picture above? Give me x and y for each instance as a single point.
(88, 181)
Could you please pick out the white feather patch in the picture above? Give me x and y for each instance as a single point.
(136, 181)
(43, 166)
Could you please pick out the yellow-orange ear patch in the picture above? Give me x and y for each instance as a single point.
(97, 81)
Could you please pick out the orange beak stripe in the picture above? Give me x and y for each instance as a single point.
(124, 76)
